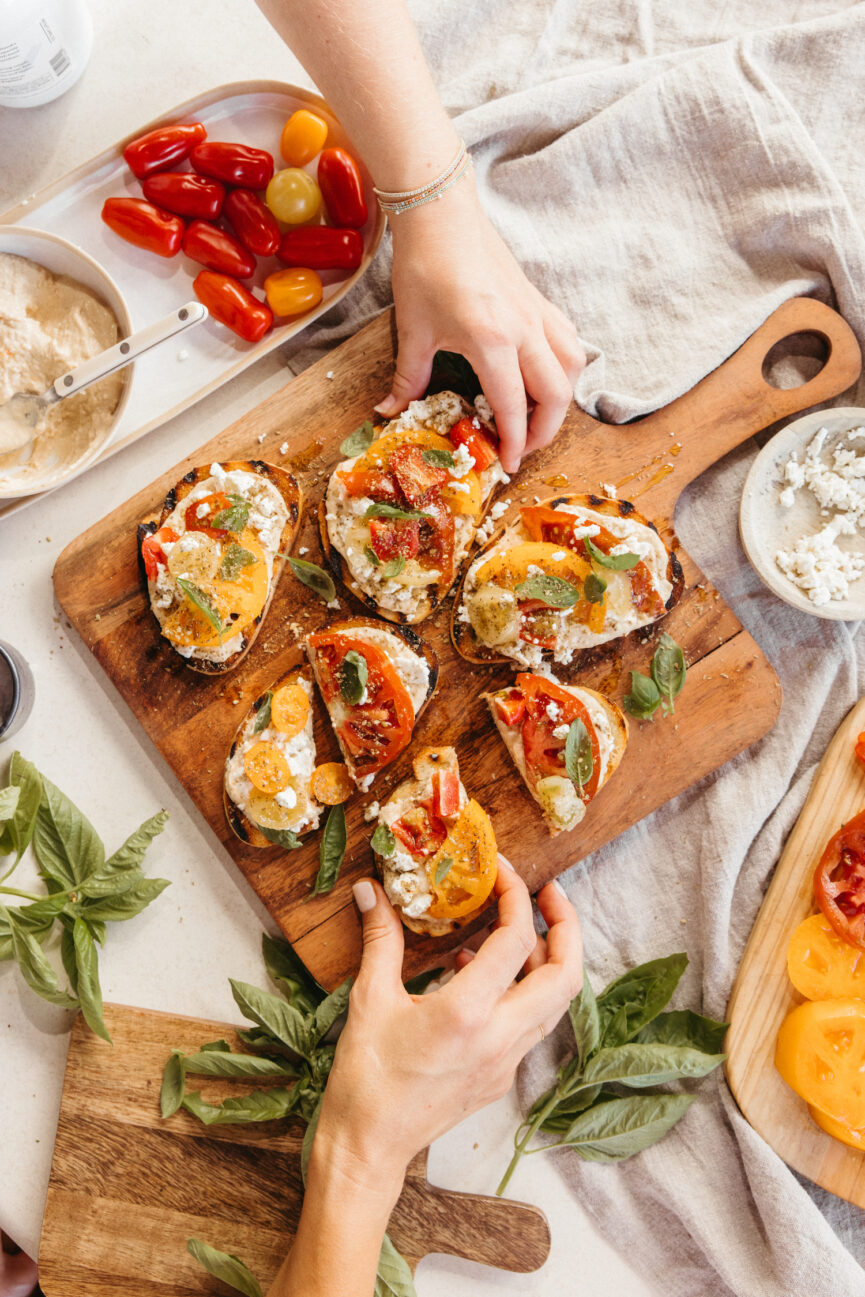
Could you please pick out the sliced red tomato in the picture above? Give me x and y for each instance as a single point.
(479, 444)
(511, 706)
(375, 731)
(420, 830)
(446, 793)
(436, 541)
(210, 506)
(152, 553)
(859, 749)
(394, 538)
(419, 481)
(544, 753)
(373, 482)
(839, 881)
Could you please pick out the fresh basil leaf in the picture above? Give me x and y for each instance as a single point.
(287, 970)
(67, 846)
(131, 853)
(202, 602)
(210, 1062)
(282, 1020)
(225, 1266)
(595, 588)
(668, 670)
(579, 761)
(417, 985)
(372, 556)
(262, 1042)
(585, 1021)
(35, 968)
(616, 562)
(260, 1105)
(105, 884)
(618, 1128)
(285, 838)
(234, 518)
(215, 1047)
(19, 830)
(315, 577)
(358, 441)
(124, 905)
(234, 560)
(262, 715)
(684, 1027)
(644, 697)
(443, 868)
(438, 458)
(640, 1066)
(562, 1117)
(87, 982)
(382, 841)
(637, 997)
(309, 1137)
(331, 852)
(353, 674)
(39, 916)
(9, 801)
(173, 1086)
(330, 1010)
(393, 1276)
(552, 590)
(381, 510)
(393, 568)
(67, 952)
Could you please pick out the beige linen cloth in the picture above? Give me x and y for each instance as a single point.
(668, 173)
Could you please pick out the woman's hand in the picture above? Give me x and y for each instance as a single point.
(457, 288)
(407, 1067)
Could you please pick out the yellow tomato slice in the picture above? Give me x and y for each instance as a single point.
(511, 567)
(378, 454)
(467, 882)
(267, 812)
(838, 1129)
(821, 965)
(266, 768)
(331, 783)
(821, 1055)
(236, 603)
(468, 502)
(289, 709)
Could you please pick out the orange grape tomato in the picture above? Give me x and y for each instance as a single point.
(837, 1129)
(821, 1055)
(303, 135)
(291, 292)
(289, 709)
(266, 768)
(293, 196)
(331, 783)
(821, 965)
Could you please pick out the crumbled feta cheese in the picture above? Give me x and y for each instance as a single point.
(283, 450)
(609, 490)
(365, 783)
(304, 549)
(558, 555)
(553, 710)
(464, 461)
(460, 486)
(329, 374)
(818, 566)
(202, 511)
(499, 508)
(484, 409)
(287, 798)
(371, 812)
(261, 437)
(561, 731)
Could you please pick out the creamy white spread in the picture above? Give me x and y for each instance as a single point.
(50, 324)
(299, 753)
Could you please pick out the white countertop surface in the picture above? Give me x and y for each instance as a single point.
(178, 955)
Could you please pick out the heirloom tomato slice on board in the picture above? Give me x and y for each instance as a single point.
(839, 881)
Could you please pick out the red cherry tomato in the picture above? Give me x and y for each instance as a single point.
(233, 305)
(162, 148)
(234, 164)
(254, 224)
(145, 226)
(342, 188)
(446, 793)
(152, 553)
(374, 482)
(839, 881)
(209, 506)
(321, 248)
(185, 194)
(511, 706)
(218, 250)
(419, 481)
(469, 433)
(394, 538)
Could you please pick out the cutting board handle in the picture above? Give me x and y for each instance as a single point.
(735, 401)
(494, 1231)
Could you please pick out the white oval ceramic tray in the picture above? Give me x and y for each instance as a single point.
(766, 526)
(176, 376)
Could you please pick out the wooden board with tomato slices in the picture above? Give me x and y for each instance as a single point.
(731, 697)
(763, 995)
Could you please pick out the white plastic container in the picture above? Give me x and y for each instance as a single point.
(44, 47)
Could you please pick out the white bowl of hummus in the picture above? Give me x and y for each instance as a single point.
(58, 307)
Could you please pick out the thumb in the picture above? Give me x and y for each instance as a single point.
(412, 373)
(383, 942)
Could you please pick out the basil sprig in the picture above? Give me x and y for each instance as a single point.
(358, 441)
(579, 761)
(314, 577)
(353, 675)
(595, 588)
(378, 509)
(331, 853)
(234, 560)
(85, 889)
(622, 1039)
(551, 590)
(665, 683)
(203, 602)
(616, 562)
(644, 698)
(234, 518)
(438, 458)
(382, 841)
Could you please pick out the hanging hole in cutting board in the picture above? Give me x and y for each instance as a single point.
(795, 360)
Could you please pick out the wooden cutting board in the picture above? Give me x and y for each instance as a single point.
(731, 698)
(763, 994)
(127, 1189)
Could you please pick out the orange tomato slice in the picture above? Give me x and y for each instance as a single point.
(266, 768)
(821, 1055)
(838, 1129)
(464, 885)
(289, 709)
(821, 965)
(330, 783)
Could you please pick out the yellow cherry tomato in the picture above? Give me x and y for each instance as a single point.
(289, 708)
(838, 1129)
(303, 135)
(331, 783)
(266, 768)
(821, 1055)
(821, 965)
(291, 292)
(293, 196)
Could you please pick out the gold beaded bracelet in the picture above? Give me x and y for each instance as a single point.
(395, 202)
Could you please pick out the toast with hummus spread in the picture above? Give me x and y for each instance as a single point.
(569, 573)
(435, 848)
(565, 740)
(214, 556)
(400, 514)
(375, 681)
